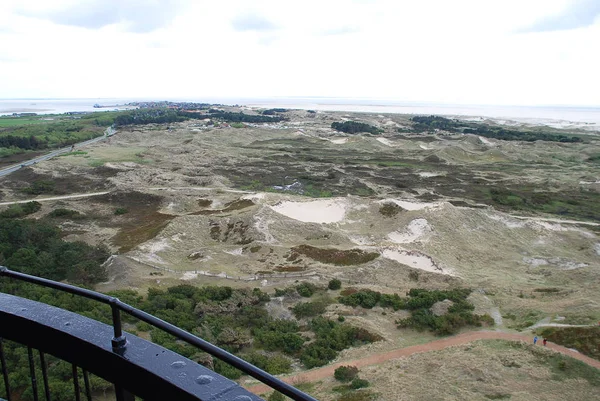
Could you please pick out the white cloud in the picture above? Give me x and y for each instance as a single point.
(465, 51)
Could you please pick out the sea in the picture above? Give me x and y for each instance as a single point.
(556, 116)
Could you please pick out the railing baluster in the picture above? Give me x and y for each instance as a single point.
(32, 373)
(119, 341)
(4, 370)
(76, 383)
(88, 390)
(45, 375)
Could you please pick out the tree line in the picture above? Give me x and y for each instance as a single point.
(430, 123)
(354, 127)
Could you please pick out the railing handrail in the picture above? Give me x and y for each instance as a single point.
(120, 342)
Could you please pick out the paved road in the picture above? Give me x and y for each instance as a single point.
(327, 371)
(5, 171)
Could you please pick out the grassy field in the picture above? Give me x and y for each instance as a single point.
(23, 134)
(19, 121)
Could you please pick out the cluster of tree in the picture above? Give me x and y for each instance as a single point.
(512, 135)
(231, 117)
(354, 127)
(148, 116)
(349, 374)
(66, 213)
(39, 187)
(22, 142)
(35, 247)
(460, 314)
(430, 123)
(427, 123)
(236, 320)
(331, 338)
(21, 210)
(419, 302)
(272, 112)
(51, 134)
(369, 299)
(309, 309)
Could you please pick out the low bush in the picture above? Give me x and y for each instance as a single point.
(309, 309)
(334, 284)
(359, 383)
(584, 339)
(345, 373)
(335, 256)
(306, 290)
(60, 212)
(21, 210)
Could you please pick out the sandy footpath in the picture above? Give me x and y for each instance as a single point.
(327, 371)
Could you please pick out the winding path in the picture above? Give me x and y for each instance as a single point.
(436, 345)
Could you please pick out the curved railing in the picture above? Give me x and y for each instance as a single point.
(40, 324)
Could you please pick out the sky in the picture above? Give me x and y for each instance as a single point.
(498, 52)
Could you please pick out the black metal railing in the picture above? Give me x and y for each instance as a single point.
(119, 343)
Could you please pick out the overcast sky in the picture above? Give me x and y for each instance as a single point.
(518, 52)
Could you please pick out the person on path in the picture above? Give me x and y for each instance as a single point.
(545, 341)
(535, 340)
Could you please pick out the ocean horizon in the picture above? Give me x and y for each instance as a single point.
(552, 115)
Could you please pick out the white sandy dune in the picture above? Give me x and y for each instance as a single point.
(319, 211)
(385, 141)
(416, 260)
(415, 230)
(339, 141)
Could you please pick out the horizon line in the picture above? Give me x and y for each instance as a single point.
(396, 102)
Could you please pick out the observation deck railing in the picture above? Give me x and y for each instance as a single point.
(136, 367)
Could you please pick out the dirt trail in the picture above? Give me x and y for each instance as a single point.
(55, 198)
(437, 345)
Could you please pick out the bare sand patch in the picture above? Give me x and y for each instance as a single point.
(426, 174)
(319, 211)
(256, 196)
(560, 263)
(189, 276)
(485, 141)
(385, 141)
(507, 221)
(412, 205)
(416, 260)
(339, 141)
(415, 230)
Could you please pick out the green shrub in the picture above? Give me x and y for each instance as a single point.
(345, 373)
(120, 211)
(460, 314)
(360, 395)
(21, 210)
(40, 187)
(277, 396)
(390, 209)
(306, 289)
(359, 383)
(584, 339)
(309, 309)
(274, 364)
(334, 284)
(335, 256)
(60, 212)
